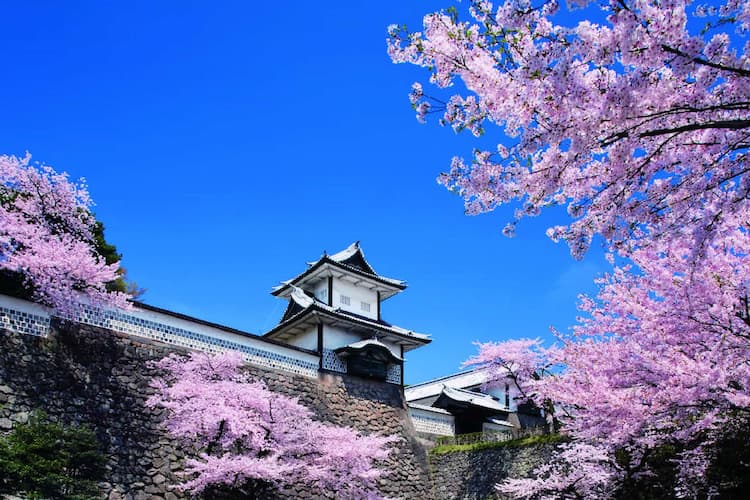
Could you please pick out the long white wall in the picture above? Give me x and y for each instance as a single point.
(32, 319)
(25, 317)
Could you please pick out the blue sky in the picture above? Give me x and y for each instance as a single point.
(227, 143)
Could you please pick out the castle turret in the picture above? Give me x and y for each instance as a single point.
(335, 308)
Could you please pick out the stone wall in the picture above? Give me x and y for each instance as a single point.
(473, 475)
(86, 375)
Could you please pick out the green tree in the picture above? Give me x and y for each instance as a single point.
(111, 256)
(42, 459)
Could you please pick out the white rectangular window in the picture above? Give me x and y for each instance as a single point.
(346, 300)
(365, 306)
(323, 295)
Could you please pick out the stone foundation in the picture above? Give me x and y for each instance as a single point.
(473, 475)
(86, 375)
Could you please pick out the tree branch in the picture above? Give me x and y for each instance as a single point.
(705, 62)
(728, 124)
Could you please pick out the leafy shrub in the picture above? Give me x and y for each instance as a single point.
(42, 459)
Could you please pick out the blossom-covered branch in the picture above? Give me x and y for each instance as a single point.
(585, 111)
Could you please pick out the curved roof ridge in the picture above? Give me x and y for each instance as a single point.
(346, 253)
(351, 259)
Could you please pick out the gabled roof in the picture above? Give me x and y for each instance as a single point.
(350, 261)
(462, 380)
(369, 344)
(304, 309)
(452, 397)
(351, 256)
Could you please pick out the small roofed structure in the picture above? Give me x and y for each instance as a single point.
(334, 308)
(462, 404)
(471, 409)
(368, 358)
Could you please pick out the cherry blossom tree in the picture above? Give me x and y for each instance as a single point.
(47, 235)
(525, 363)
(250, 437)
(639, 124)
(522, 361)
(659, 358)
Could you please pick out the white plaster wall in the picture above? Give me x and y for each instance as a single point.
(335, 337)
(307, 340)
(499, 393)
(321, 291)
(395, 348)
(357, 295)
(490, 427)
(211, 331)
(183, 332)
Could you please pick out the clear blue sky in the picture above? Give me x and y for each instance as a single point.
(226, 143)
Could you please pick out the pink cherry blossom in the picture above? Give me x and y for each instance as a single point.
(46, 235)
(247, 434)
(639, 125)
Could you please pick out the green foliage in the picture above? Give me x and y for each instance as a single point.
(42, 459)
(527, 441)
(110, 255)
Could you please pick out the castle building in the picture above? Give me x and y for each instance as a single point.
(332, 324)
(334, 309)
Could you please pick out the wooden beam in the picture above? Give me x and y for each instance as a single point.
(320, 345)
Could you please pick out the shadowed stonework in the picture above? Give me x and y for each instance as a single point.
(87, 375)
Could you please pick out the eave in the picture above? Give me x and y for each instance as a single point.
(458, 400)
(315, 314)
(326, 267)
(361, 347)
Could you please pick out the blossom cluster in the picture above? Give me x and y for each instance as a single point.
(46, 235)
(638, 126)
(248, 434)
